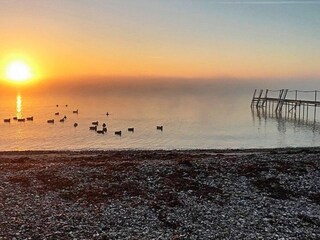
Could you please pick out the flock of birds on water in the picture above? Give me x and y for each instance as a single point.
(93, 127)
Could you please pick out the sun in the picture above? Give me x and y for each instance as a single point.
(18, 71)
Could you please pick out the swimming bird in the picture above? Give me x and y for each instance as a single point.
(75, 124)
(30, 118)
(21, 120)
(160, 128)
(62, 120)
(7, 120)
(15, 118)
(117, 133)
(57, 113)
(94, 128)
(107, 114)
(100, 131)
(66, 105)
(104, 125)
(105, 129)
(50, 121)
(57, 105)
(95, 123)
(65, 117)
(76, 111)
(130, 129)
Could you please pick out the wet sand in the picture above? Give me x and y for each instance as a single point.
(196, 194)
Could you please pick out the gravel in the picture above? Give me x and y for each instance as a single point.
(243, 194)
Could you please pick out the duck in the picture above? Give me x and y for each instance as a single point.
(7, 120)
(130, 129)
(105, 129)
(65, 117)
(100, 131)
(30, 118)
(21, 119)
(117, 133)
(107, 114)
(160, 128)
(15, 118)
(76, 111)
(95, 123)
(75, 124)
(93, 128)
(50, 121)
(62, 120)
(57, 113)
(104, 125)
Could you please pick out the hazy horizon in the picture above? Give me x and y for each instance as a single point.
(136, 85)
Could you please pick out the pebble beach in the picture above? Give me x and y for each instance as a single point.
(195, 194)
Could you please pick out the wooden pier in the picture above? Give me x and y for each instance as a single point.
(287, 102)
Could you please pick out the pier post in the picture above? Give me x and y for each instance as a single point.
(269, 105)
(296, 105)
(279, 100)
(253, 98)
(258, 101)
(265, 99)
(299, 109)
(315, 106)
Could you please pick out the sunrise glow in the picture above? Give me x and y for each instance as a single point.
(18, 71)
(214, 40)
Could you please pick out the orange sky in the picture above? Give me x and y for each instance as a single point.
(197, 39)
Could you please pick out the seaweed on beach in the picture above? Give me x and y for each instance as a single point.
(185, 180)
(273, 187)
(20, 180)
(139, 193)
(252, 169)
(104, 194)
(167, 198)
(53, 182)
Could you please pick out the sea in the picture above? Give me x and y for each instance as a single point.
(193, 117)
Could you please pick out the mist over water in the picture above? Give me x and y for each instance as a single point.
(193, 116)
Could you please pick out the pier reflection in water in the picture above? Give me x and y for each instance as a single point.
(282, 121)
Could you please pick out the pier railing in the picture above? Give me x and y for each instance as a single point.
(288, 102)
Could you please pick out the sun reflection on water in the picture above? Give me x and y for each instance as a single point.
(19, 106)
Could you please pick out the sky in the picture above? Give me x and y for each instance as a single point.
(188, 39)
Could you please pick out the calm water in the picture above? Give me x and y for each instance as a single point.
(191, 120)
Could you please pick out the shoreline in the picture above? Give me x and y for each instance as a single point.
(161, 194)
(209, 150)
